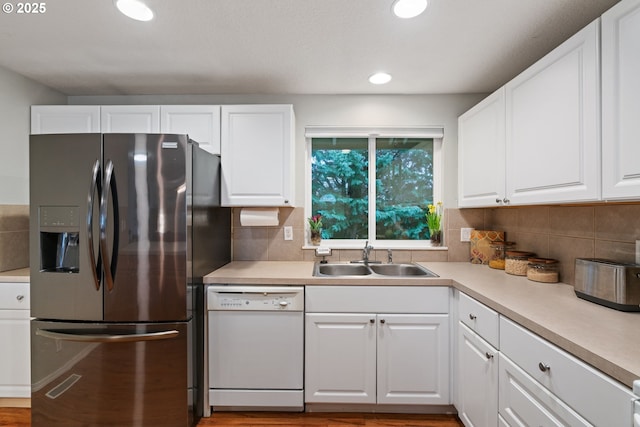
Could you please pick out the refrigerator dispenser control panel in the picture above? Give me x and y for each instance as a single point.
(258, 298)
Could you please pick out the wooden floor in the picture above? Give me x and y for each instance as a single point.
(20, 417)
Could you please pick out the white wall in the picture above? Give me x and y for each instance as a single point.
(18, 94)
(340, 110)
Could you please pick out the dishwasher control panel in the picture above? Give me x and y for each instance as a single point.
(255, 298)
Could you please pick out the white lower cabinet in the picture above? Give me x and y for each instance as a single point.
(478, 374)
(15, 360)
(541, 384)
(525, 402)
(376, 357)
(477, 363)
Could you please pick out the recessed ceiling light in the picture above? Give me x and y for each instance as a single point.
(379, 78)
(135, 9)
(409, 8)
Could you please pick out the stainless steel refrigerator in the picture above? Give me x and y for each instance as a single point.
(123, 227)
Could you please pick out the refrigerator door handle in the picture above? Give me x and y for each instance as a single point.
(106, 338)
(95, 266)
(109, 267)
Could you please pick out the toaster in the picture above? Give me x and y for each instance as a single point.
(609, 283)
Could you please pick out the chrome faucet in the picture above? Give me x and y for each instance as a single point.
(365, 252)
(389, 256)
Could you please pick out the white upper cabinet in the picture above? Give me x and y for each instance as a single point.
(130, 119)
(65, 119)
(552, 125)
(257, 155)
(200, 122)
(481, 153)
(621, 101)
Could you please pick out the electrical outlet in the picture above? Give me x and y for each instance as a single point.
(288, 233)
(637, 251)
(465, 234)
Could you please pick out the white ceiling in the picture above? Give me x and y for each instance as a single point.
(86, 47)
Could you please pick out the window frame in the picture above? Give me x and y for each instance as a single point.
(372, 133)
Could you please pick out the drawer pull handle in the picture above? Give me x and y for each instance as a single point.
(543, 367)
(489, 355)
(20, 297)
(472, 316)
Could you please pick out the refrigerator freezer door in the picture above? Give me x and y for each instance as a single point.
(64, 198)
(147, 252)
(95, 374)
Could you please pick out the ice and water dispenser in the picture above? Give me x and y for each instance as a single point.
(59, 239)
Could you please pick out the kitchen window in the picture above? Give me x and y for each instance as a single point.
(373, 184)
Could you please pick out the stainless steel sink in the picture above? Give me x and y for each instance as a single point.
(341, 270)
(401, 270)
(389, 270)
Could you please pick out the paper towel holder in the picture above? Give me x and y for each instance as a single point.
(259, 217)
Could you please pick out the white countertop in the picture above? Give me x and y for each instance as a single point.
(605, 338)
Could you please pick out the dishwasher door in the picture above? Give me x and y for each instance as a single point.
(255, 347)
(255, 350)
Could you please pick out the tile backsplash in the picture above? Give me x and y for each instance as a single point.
(14, 237)
(561, 232)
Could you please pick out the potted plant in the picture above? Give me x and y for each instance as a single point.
(434, 223)
(315, 227)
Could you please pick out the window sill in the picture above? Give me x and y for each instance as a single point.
(378, 247)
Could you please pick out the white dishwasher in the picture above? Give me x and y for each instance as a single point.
(255, 347)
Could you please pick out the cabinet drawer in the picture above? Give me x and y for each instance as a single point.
(480, 318)
(14, 296)
(523, 401)
(596, 397)
(377, 299)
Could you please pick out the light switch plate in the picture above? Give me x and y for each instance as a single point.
(465, 234)
(288, 233)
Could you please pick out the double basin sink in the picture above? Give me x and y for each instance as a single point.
(388, 270)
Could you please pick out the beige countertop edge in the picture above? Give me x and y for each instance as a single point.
(20, 275)
(611, 344)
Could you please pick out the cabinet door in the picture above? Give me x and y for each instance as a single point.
(65, 119)
(477, 380)
(15, 367)
(552, 125)
(256, 150)
(413, 359)
(200, 122)
(524, 402)
(340, 358)
(481, 153)
(621, 101)
(130, 119)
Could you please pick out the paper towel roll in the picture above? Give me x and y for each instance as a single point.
(259, 217)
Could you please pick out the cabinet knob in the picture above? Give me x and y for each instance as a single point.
(488, 355)
(372, 321)
(382, 320)
(543, 367)
(505, 201)
(20, 297)
(498, 201)
(472, 316)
